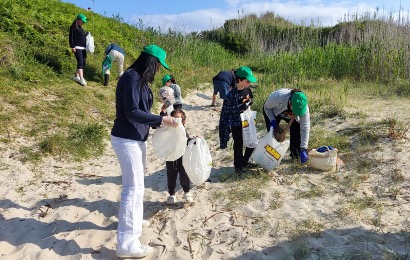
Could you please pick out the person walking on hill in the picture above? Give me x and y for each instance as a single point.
(237, 100)
(114, 53)
(77, 43)
(282, 104)
(133, 103)
(223, 82)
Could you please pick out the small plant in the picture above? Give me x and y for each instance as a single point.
(314, 191)
(307, 227)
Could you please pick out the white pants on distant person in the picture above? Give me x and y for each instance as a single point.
(117, 57)
(132, 158)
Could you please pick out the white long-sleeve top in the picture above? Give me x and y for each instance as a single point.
(277, 103)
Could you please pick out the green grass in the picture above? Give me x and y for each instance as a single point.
(40, 102)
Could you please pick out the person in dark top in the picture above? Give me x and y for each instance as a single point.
(133, 118)
(237, 100)
(223, 83)
(77, 43)
(115, 54)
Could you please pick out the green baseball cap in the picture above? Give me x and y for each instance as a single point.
(82, 17)
(165, 79)
(299, 103)
(245, 72)
(156, 51)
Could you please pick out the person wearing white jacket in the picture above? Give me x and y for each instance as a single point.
(281, 105)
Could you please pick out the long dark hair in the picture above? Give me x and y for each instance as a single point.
(147, 66)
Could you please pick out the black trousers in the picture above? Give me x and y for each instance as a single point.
(294, 130)
(173, 168)
(239, 158)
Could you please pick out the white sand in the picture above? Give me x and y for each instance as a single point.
(67, 210)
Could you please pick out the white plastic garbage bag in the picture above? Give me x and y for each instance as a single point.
(197, 161)
(250, 138)
(169, 143)
(89, 43)
(269, 152)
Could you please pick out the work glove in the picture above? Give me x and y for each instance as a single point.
(273, 123)
(304, 157)
(243, 106)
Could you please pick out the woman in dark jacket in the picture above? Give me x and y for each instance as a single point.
(77, 42)
(133, 102)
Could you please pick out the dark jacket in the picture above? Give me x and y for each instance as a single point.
(114, 47)
(230, 116)
(226, 76)
(76, 36)
(133, 103)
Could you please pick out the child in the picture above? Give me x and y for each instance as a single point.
(166, 93)
(236, 101)
(173, 167)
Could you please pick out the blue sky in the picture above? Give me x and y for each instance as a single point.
(198, 15)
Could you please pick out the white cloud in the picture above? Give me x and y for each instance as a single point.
(300, 12)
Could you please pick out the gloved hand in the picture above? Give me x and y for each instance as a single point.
(304, 157)
(243, 106)
(273, 123)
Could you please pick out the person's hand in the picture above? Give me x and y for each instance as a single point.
(73, 50)
(169, 121)
(243, 106)
(304, 157)
(273, 123)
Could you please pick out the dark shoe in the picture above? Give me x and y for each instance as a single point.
(240, 171)
(251, 165)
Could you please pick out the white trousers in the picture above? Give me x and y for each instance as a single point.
(132, 158)
(117, 57)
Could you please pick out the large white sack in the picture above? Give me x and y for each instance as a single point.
(169, 142)
(197, 161)
(269, 152)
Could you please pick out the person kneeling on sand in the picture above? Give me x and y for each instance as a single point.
(175, 167)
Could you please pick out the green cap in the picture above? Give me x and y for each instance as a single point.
(82, 17)
(165, 79)
(299, 103)
(156, 51)
(245, 72)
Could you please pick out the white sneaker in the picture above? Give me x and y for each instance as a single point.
(76, 79)
(83, 82)
(172, 200)
(145, 223)
(188, 197)
(145, 250)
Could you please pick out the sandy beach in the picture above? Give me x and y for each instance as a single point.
(60, 209)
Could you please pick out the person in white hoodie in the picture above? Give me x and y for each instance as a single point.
(281, 105)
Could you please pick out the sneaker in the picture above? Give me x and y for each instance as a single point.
(145, 223)
(82, 82)
(145, 250)
(250, 165)
(76, 79)
(240, 171)
(188, 197)
(172, 200)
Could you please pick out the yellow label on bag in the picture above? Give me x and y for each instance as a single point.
(270, 150)
(245, 123)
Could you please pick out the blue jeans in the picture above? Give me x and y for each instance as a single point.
(222, 87)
